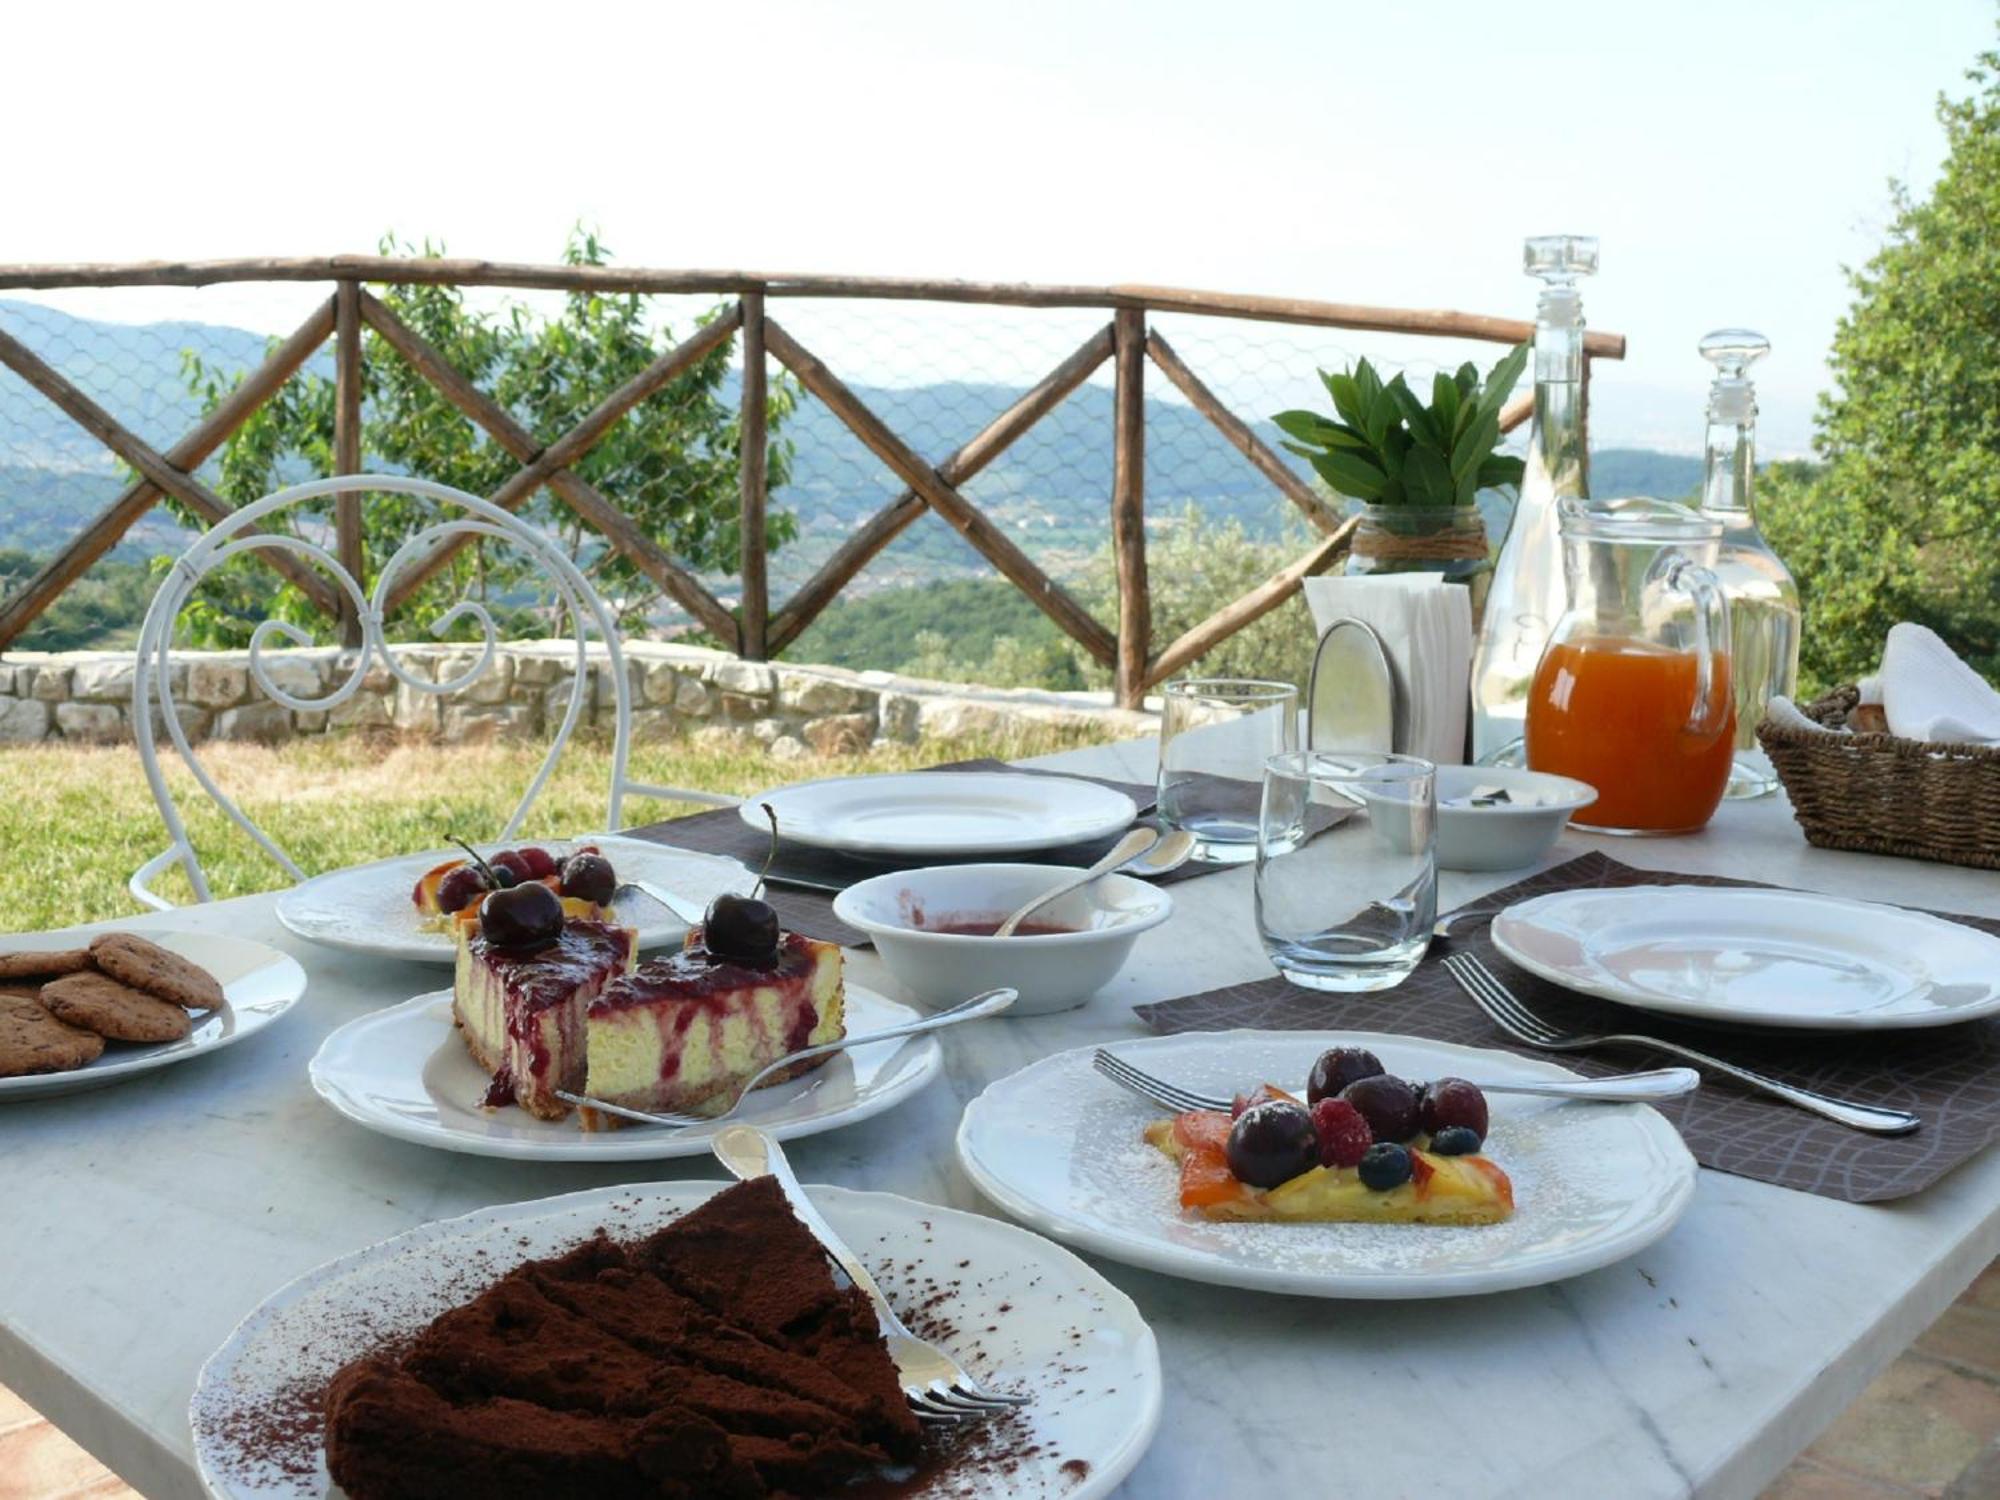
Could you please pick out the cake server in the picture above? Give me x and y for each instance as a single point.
(980, 1006)
(939, 1389)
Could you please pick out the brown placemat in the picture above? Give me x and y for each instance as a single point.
(800, 876)
(1949, 1075)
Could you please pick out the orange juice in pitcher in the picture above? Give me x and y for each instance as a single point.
(1633, 694)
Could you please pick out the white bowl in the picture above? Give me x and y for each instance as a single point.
(1056, 971)
(1510, 835)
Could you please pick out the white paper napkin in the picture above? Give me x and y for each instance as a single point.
(1426, 627)
(1785, 713)
(1928, 693)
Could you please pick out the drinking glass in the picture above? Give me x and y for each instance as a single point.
(1215, 735)
(1347, 907)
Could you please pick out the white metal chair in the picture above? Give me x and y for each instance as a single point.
(238, 534)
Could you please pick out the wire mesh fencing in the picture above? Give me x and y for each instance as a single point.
(935, 373)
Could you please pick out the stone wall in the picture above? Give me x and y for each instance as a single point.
(86, 696)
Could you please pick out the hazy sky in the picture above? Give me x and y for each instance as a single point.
(1732, 156)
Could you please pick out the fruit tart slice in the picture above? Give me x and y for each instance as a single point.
(447, 896)
(1367, 1148)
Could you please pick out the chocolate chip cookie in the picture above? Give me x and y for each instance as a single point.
(33, 1041)
(43, 965)
(131, 959)
(115, 1011)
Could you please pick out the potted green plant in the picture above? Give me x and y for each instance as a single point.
(1416, 467)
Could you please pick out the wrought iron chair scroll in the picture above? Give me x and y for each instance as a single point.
(239, 533)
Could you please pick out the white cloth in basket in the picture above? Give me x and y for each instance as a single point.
(1929, 693)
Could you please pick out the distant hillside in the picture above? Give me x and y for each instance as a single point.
(1640, 471)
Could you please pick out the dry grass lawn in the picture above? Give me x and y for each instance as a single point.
(76, 821)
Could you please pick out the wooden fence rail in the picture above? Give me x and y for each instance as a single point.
(755, 628)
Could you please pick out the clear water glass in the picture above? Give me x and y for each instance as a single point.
(1347, 907)
(1216, 733)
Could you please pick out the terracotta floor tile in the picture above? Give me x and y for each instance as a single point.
(1968, 1336)
(1918, 1425)
(37, 1462)
(1809, 1480)
(1985, 1292)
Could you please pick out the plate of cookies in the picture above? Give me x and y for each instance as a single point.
(81, 1010)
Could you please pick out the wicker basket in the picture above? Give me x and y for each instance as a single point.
(1885, 795)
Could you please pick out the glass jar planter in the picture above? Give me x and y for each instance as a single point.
(1447, 539)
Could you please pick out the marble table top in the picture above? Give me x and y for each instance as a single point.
(138, 1223)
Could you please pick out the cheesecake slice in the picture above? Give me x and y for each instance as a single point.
(683, 1033)
(521, 1010)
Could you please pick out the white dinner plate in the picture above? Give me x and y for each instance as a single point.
(405, 1072)
(1757, 957)
(943, 813)
(367, 908)
(1033, 1317)
(1060, 1148)
(259, 984)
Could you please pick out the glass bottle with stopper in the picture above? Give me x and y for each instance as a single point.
(1763, 600)
(1527, 593)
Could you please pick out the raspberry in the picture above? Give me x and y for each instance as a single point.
(1343, 1133)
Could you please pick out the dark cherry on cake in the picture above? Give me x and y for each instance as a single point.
(549, 1001)
(716, 1357)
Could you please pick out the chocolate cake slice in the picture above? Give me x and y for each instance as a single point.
(391, 1437)
(747, 1252)
(675, 1369)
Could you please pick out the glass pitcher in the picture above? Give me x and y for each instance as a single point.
(1633, 693)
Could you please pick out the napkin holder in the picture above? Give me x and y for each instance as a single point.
(1355, 699)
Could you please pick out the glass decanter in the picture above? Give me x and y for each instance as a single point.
(1763, 599)
(1526, 594)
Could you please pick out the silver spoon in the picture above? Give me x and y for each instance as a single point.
(1173, 850)
(1134, 844)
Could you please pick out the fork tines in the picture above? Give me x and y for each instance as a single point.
(1166, 1095)
(1499, 1003)
(962, 1401)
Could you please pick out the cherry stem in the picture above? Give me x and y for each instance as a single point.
(483, 867)
(771, 853)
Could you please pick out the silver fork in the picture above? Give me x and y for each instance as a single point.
(989, 1003)
(939, 1389)
(1659, 1083)
(1507, 1012)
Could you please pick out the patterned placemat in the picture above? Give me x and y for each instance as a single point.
(803, 881)
(1949, 1075)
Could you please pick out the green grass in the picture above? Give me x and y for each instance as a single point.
(76, 821)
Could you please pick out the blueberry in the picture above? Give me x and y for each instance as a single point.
(1455, 1140)
(1385, 1165)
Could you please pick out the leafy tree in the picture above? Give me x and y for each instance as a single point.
(671, 464)
(1900, 518)
(101, 610)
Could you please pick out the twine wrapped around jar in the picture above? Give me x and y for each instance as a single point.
(1400, 535)
(1447, 539)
